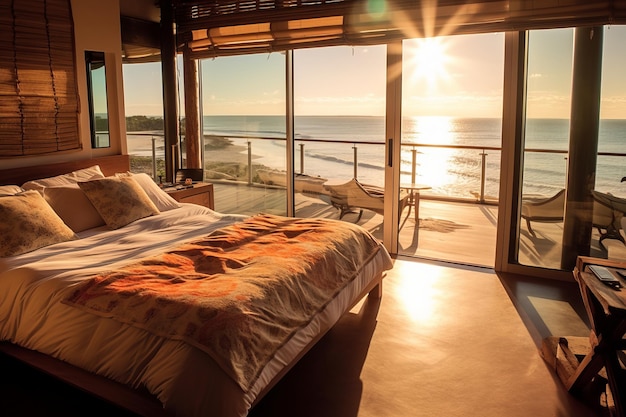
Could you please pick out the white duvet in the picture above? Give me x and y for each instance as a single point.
(184, 379)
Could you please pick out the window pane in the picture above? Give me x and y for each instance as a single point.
(340, 131)
(243, 102)
(611, 163)
(143, 103)
(451, 139)
(546, 144)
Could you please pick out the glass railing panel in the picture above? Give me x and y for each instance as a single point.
(324, 171)
(147, 153)
(453, 172)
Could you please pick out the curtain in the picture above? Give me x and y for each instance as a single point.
(38, 93)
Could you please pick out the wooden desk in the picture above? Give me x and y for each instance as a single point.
(606, 309)
(414, 199)
(200, 193)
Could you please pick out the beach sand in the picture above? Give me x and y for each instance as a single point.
(223, 160)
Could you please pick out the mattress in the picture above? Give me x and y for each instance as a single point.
(184, 379)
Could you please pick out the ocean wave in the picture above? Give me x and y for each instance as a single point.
(544, 173)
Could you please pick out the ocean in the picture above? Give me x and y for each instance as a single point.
(448, 166)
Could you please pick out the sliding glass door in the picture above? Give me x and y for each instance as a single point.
(244, 126)
(339, 96)
(546, 142)
(571, 199)
(450, 148)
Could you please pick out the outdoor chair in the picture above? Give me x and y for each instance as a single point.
(610, 210)
(547, 210)
(353, 196)
(607, 212)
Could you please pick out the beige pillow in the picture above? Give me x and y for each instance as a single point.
(10, 190)
(73, 177)
(29, 223)
(119, 201)
(73, 207)
(162, 200)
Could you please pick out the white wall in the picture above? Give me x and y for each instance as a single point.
(96, 28)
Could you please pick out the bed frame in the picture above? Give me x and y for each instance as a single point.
(137, 401)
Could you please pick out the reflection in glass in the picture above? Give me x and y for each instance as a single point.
(546, 145)
(97, 93)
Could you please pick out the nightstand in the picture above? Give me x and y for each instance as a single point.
(200, 193)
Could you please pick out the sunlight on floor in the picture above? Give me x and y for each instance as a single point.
(420, 296)
(559, 317)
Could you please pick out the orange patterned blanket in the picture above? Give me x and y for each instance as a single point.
(239, 293)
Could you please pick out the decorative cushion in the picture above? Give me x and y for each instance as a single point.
(72, 205)
(119, 201)
(29, 223)
(10, 189)
(73, 177)
(162, 200)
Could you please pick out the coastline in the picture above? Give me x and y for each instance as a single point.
(225, 160)
(330, 145)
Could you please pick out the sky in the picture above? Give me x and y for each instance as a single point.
(454, 76)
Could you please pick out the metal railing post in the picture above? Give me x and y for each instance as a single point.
(249, 163)
(155, 174)
(302, 158)
(356, 160)
(413, 164)
(482, 175)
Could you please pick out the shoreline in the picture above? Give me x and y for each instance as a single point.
(227, 160)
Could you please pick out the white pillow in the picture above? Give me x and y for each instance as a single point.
(73, 177)
(10, 189)
(160, 198)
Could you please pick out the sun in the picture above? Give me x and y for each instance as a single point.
(429, 59)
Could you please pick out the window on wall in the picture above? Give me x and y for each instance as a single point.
(38, 94)
(98, 103)
(143, 103)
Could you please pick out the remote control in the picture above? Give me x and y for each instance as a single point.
(604, 275)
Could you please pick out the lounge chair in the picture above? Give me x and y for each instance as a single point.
(352, 196)
(547, 210)
(607, 212)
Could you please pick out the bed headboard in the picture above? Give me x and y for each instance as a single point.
(108, 164)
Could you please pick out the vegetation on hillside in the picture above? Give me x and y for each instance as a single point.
(213, 169)
(143, 123)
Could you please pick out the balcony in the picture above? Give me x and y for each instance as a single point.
(453, 226)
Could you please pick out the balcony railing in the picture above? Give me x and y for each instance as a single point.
(473, 172)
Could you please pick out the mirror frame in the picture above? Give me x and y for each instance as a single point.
(97, 95)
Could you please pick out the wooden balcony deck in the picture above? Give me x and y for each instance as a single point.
(449, 231)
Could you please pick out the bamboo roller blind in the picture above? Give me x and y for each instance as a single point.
(229, 27)
(38, 95)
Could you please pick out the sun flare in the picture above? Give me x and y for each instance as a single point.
(429, 61)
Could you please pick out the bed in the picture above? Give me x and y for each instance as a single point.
(168, 313)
